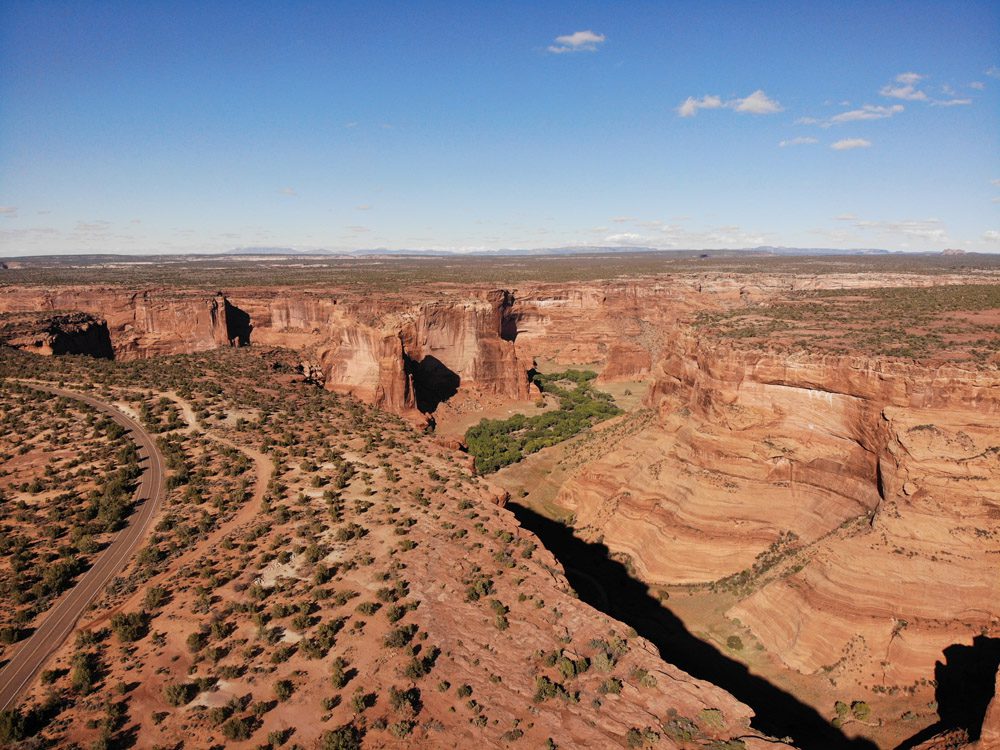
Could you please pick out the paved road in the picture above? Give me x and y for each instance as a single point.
(31, 655)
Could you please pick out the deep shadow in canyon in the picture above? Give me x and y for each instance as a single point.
(433, 382)
(238, 325)
(778, 713)
(93, 340)
(966, 681)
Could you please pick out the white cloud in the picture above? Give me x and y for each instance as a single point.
(977, 85)
(757, 103)
(845, 217)
(992, 235)
(627, 238)
(993, 71)
(950, 102)
(846, 144)
(690, 106)
(923, 229)
(288, 191)
(663, 235)
(806, 121)
(995, 182)
(9, 211)
(363, 207)
(906, 88)
(800, 141)
(866, 112)
(578, 41)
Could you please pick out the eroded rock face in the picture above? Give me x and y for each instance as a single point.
(400, 355)
(861, 496)
(144, 323)
(397, 354)
(47, 334)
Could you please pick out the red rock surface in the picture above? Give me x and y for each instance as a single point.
(887, 474)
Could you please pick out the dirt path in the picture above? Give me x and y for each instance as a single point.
(263, 467)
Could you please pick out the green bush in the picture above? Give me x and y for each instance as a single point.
(347, 737)
(178, 693)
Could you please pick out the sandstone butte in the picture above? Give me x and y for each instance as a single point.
(852, 502)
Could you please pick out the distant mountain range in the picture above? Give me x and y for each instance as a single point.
(574, 250)
(261, 253)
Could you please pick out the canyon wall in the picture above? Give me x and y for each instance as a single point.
(399, 354)
(852, 504)
(142, 324)
(54, 334)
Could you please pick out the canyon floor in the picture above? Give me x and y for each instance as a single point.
(739, 501)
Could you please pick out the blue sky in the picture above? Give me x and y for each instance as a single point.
(187, 127)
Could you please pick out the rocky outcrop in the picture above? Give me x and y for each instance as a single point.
(71, 333)
(990, 732)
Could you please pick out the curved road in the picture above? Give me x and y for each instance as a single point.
(29, 658)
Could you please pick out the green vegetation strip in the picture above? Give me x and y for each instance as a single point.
(496, 443)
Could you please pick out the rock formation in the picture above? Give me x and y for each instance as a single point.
(143, 324)
(47, 334)
(862, 496)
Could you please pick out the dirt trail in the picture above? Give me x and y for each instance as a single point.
(263, 467)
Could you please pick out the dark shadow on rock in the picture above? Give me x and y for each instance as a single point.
(508, 327)
(79, 333)
(589, 565)
(433, 382)
(238, 326)
(965, 681)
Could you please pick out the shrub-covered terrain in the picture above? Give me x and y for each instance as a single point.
(67, 474)
(324, 575)
(957, 322)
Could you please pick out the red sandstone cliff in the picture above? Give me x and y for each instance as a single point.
(142, 323)
(870, 489)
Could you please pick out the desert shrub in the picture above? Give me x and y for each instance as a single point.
(239, 729)
(408, 700)
(156, 596)
(178, 693)
(13, 726)
(610, 685)
(347, 737)
(130, 626)
(85, 672)
(283, 689)
(339, 675)
(399, 637)
(861, 710)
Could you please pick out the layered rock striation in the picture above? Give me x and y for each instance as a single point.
(856, 500)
